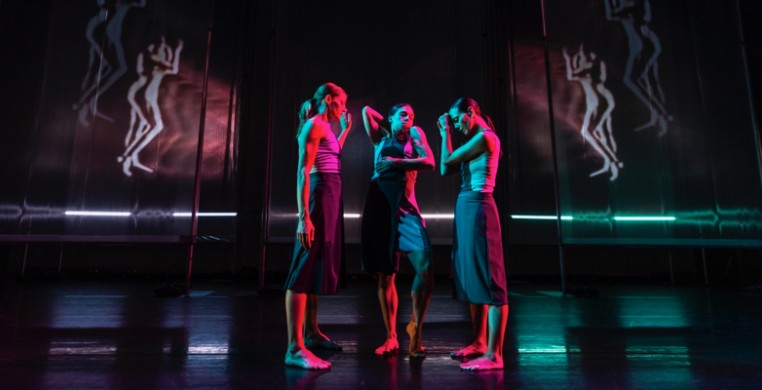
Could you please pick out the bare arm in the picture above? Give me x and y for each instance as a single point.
(346, 126)
(647, 6)
(309, 139)
(567, 60)
(371, 119)
(476, 146)
(445, 131)
(610, 10)
(176, 62)
(425, 159)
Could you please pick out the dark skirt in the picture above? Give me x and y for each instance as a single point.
(316, 270)
(477, 250)
(390, 226)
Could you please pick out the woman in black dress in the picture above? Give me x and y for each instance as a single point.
(392, 225)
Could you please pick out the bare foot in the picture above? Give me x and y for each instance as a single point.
(416, 349)
(474, 349)
(390, 346)
(483, 363)
(305, 359)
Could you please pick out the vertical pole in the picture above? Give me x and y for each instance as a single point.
(264, 237)
(556, 185)
(199, 155)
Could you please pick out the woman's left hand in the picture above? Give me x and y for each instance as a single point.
(345, 121)
(386, 164)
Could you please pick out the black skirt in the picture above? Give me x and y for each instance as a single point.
(391, 225)
(316, 270)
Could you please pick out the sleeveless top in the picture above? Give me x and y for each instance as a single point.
(328, 157)
(479, 174)
(399, 146)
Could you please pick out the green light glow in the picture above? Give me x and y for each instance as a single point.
(644, 218)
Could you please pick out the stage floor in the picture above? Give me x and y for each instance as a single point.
(74, 334)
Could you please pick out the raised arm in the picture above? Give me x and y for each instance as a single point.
(309, 139)
(176, 60)
(647, 11)
(567, 60)
(371, 119)
(445, 130)
(610, 11)
(477, 145)
(346, 125)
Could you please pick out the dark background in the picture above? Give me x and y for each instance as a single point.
(266, 57)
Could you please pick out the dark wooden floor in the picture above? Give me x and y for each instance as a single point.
(119, 335)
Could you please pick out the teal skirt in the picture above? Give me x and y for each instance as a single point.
(478, 265)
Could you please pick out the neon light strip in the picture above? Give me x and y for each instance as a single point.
(543, 217)
(187, 214)
(97, 213)
(645, 218)
(438, 216)
(177, 214)
(425, 216)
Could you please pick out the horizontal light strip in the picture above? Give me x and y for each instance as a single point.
(644, 218)
(425, 216)
(438, 216)
(97, 213)
(177, 214)
(543, 217)
(202, 214)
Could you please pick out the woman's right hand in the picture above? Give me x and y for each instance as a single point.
(305, 232)
(444, 125)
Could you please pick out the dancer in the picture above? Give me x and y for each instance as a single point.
(164, 61)
(138, 121)
(392, 225)
(319, 235)
(591, 74)
(94, 84)
(477, 250)
(641, 75)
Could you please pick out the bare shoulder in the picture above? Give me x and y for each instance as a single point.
(315, 128)
(418, 133)
(491, 140)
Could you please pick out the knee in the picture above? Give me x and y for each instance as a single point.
(385, 281)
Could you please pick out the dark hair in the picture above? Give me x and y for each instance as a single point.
(396, 108)
(462, 105)
(309, 107)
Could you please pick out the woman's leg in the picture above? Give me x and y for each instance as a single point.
(493, 357)
(297, 354)
(313, 337)
(423, 285)
(479, 323)
(387, 297)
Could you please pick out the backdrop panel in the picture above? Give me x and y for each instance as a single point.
(110, 147)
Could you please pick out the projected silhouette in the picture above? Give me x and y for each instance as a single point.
(590, 72)
(146, 121)
(641, 75)
(106, 62)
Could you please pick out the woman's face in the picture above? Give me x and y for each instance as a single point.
(402, 118)
(337, 106)
(461, 121)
